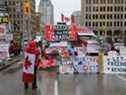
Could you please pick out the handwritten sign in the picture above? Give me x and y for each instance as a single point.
(116, 64)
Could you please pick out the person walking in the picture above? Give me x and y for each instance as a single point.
(32, 59)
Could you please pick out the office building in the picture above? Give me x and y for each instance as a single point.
(107, 18)
(47, 12)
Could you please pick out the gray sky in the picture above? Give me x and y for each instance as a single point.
(64, 6)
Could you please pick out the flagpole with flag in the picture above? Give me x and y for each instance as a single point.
(62, 17)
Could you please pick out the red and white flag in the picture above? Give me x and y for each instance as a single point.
(64, 18)
(28, 67)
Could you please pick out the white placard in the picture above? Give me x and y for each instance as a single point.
(115, 64)
(4, 50)
(31, 59)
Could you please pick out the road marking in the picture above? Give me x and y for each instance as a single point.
(120, 77)
(56, 87)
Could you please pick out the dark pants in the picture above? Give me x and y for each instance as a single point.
(34, 83)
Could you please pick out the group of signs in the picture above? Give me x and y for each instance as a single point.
(80, 65)
(89, 64)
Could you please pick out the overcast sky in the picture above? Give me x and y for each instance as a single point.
(64, 6)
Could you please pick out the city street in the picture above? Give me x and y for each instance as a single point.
(78, 45)
(49, 83)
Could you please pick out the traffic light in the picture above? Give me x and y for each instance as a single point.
(26, 7)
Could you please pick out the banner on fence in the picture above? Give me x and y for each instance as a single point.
(66, 66)
(87, 64)
(4, 50)
(116, 64)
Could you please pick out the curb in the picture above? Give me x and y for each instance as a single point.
(9, 63)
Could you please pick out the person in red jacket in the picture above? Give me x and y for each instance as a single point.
(32, 59)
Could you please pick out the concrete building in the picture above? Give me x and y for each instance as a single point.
(37, 21)
(106, 17)
(21, 26)
(77, 15)
(47, 12)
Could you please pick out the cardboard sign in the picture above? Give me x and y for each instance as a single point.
(4, 50)
(29, 69)
(116, 64)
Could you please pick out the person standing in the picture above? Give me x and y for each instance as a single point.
(32, 58)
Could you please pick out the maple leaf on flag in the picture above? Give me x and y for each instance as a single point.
(27, 63)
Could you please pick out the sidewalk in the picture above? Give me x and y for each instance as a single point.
(8, 62)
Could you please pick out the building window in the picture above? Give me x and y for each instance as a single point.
(110, 23)
(14, 16)
(89, 23)
(108, 8)
(93, 23)
(89, 9)
(114, 23)
(125, 24)
(95, 1)
(101, 9)
(117, 1)
(103, 24)
(107, 23)
(100, 23)
(118, 8)
(118, 16)
(89, 16)
(96, 23)
(121, 1)
(86, 9)
(18, 15)
(96, 9)
(96, 16)
(100, 16)
(121, 23)
(13, 2)
(18, 22)
(110, 1)
(86, 16)
(118, 23)
(103, 16)
(114, 16)
(86, 23)
(102, 1)
(9, 2)
(89, 1)
(104, 9)
(125, 8)
(110, 16)
(107, 16)
(121, 8)
(14, 10)
(121, 16)
(115, 8)
(111, 8)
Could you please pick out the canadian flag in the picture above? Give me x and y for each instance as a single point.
(64, 18)
(28, 67)
(73, 32)
(48, 32)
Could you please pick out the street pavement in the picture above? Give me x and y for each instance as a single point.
(51, 83)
